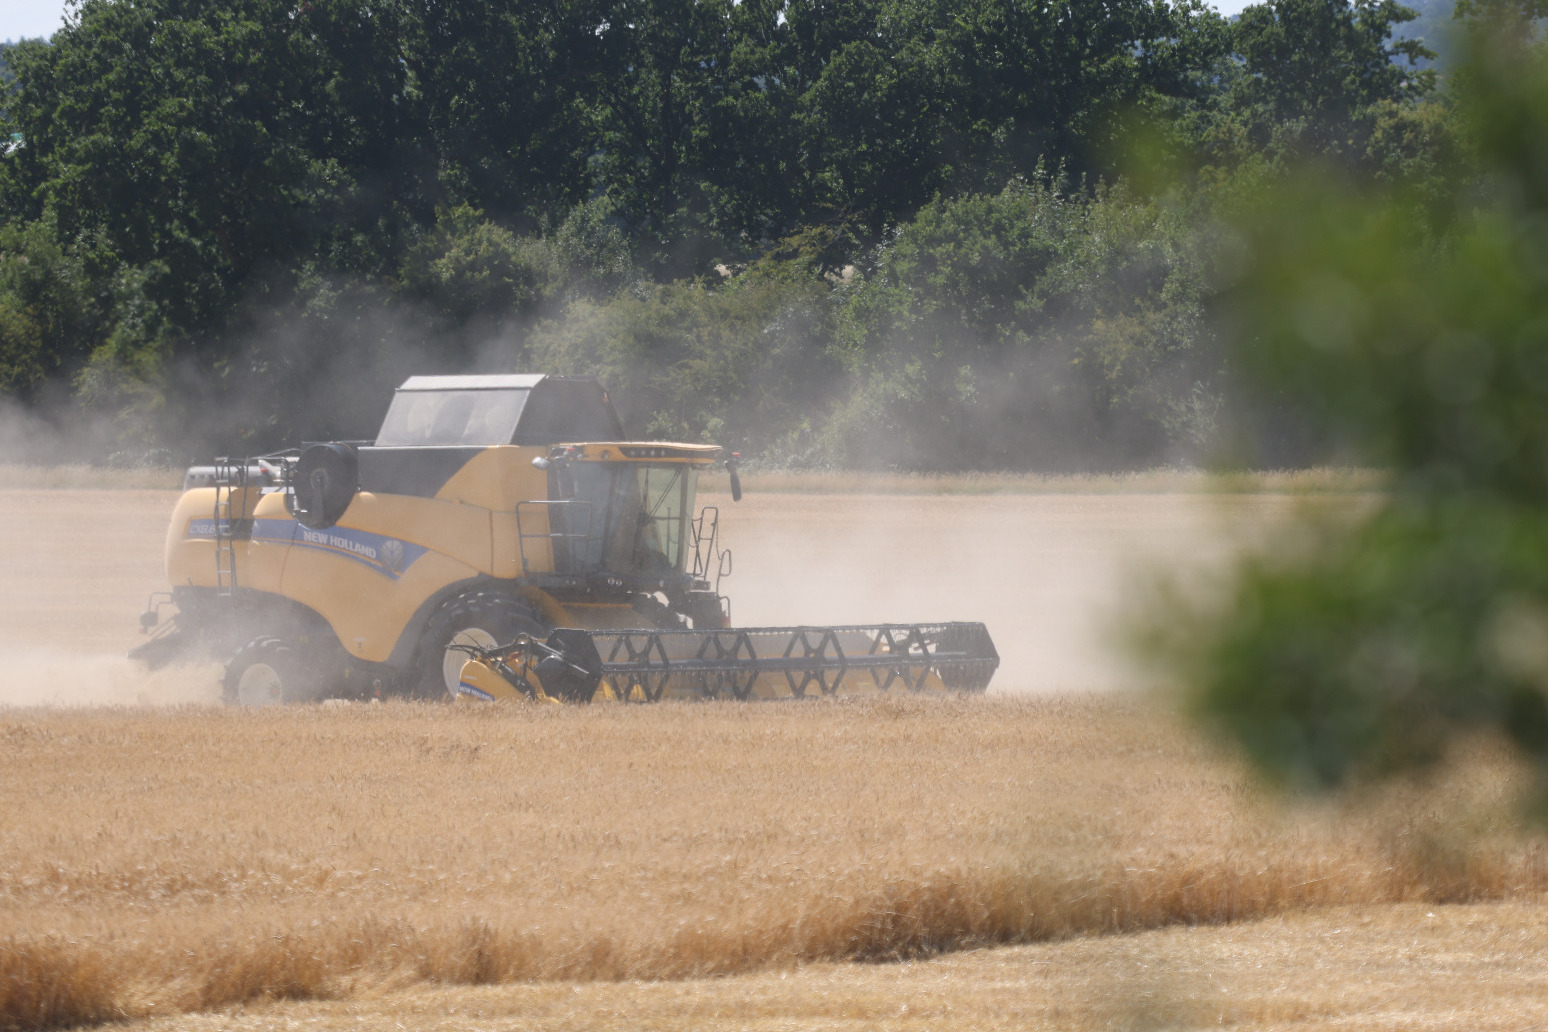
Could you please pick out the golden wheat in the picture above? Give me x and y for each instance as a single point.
(156, 862)
(1394, 968)
(159, 862)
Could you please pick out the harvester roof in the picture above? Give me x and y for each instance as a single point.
(501, 381)
(479, 411)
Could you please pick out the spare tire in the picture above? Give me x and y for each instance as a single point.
(322, 484)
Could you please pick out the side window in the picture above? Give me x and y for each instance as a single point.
(447, 418)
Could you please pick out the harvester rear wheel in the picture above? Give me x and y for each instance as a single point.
(267, 671)
(483, 618)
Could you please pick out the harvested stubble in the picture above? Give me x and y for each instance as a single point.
(155, 862)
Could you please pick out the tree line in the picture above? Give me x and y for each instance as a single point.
(904, 233)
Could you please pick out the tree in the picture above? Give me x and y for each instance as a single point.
(214, 144)
(1425, 347)
(1315, 71)
(505, 88)
(665, 63)
(50, 309)
(1034, 328)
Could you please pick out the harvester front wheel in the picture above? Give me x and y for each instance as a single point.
(482, 618)
(267, 672)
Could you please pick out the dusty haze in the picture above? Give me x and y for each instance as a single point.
(1046, 572)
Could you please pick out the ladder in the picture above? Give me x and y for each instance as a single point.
(230, 483)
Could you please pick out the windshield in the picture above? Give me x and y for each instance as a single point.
(627, 518)
(462, 417)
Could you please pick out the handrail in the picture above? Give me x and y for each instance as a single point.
(706, 546)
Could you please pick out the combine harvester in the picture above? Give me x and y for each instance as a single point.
(498, 540)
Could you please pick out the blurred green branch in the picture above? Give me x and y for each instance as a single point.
(1419, 334)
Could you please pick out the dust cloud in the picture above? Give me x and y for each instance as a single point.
(76, 568)
(62, 680)
(52, 431)
(1049, 574)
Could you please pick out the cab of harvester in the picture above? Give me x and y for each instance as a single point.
(486, 507)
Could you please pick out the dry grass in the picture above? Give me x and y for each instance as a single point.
(160, 862)
(1398, 967)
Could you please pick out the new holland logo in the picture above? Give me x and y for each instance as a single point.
(478, 693)
(387, 556)
(390, 556)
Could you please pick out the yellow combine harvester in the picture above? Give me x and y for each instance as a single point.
(498, 539)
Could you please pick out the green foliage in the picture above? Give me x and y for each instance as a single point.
(1367, 657)
(1425, 347)
(211, 144)
(6, 75)
(243, 204)
(472, 269)
(725, 362)
(502, 90)
(1030, 329)
(1315, 74)
(50, 305)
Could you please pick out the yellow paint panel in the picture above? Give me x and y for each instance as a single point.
(264, 565)
(601, 616)
(191, 560)
(459, 531)
(497, 478)
(480, 682)
(367, 609)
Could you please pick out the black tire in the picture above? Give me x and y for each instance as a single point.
(484, 617)
(268, 671)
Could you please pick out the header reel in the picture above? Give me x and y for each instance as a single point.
(740, 663)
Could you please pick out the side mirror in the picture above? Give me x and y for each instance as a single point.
(736, 481)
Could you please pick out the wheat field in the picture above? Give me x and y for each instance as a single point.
(1021, 859)
(159, 862)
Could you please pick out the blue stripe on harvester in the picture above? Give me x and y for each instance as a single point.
(386, 555)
